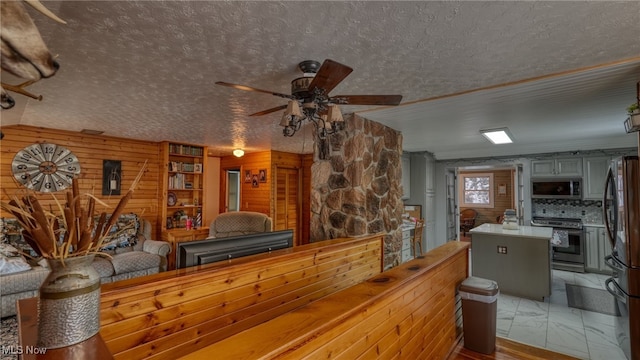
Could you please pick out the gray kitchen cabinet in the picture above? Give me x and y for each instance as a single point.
(605, 250)
(591, 249)
(595, 173)
(557, 167)
(596, 248)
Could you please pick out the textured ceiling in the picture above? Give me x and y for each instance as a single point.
(146, 70)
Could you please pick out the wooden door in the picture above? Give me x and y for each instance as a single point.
(288, 202)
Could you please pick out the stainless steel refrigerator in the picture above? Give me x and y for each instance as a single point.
(622, 222)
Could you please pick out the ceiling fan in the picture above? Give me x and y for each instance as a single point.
(311, 92)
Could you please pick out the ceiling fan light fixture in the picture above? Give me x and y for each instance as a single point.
(238, 152)
(292, 114)
(497, 136)
(334, 114)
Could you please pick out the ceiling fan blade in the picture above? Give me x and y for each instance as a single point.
(269, 111)
(329, 75)
(366, 99)
(249, 88)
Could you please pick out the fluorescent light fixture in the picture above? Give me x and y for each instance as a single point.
(497, 136)
(238, 152)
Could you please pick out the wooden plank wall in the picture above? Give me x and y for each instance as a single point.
(307, 161)
(261, 199)
(408, 312)
(91, 150)
(251, 198)
(171, 314)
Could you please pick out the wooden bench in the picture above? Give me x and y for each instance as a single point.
(167, 315)
(408, 312)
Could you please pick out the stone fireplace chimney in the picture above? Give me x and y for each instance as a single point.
(357, 190)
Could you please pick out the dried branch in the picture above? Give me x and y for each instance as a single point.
(82, 233)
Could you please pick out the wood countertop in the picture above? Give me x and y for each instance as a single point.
(523, 231)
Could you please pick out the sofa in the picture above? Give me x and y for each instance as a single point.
(237, 223)
(137, 256)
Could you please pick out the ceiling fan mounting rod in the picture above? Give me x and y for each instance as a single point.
(309, 66)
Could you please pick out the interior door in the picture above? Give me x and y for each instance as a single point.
(519, 194)
(453, 217)
(232, 200)
(288, 207)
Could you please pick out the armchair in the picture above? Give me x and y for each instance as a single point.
(467, 220)
(237, 223)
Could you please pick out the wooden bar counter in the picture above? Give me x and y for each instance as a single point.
(408, 312)
(323, 300)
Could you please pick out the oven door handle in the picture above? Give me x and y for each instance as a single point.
(617, 293)
(612, 263)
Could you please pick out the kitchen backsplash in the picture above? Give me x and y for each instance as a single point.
(590, 211)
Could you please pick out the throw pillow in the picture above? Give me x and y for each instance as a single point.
(123, 233)
(10, 260)
(12, 234)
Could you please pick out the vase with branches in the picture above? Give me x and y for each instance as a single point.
(69, 239)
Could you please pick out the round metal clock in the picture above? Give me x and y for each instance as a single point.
(45, 167)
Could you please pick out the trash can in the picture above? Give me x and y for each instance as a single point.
(479, 311)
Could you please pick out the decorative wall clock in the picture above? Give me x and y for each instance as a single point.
(45, 167)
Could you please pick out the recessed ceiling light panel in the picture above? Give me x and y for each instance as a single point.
(497, 136)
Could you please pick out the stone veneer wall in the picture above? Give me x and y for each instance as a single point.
(357, 191)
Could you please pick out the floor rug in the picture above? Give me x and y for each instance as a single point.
(591, 299)
(8, 337)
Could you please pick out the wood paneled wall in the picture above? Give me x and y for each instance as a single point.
(501, 202)
(91, 150)
(261, 199)
(307, 161)
(167, 315)
(251, 198)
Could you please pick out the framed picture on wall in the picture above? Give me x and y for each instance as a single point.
(247, 176)
(262, 175)
(254, 181)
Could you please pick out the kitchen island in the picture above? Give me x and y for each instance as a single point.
(518, 260)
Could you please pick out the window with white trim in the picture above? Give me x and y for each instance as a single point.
(476, 190)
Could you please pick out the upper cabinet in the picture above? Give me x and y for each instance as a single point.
(595, 173)
(182, 191)
(557, 167)
(406, 176)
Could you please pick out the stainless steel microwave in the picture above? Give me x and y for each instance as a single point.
(556, 188)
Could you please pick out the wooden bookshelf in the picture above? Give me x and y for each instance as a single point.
(183, 190)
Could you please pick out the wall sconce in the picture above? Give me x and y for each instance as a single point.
(238, 152)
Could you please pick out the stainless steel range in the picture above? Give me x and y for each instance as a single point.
(567, 242)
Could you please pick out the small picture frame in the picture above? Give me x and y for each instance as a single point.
(254, 181)
(247, 176)
(197, 168)
(502, 189)
(262, 175)
(111, 177)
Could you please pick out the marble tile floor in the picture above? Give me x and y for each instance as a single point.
(555, 326)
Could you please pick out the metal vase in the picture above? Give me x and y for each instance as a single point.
(69, 303)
